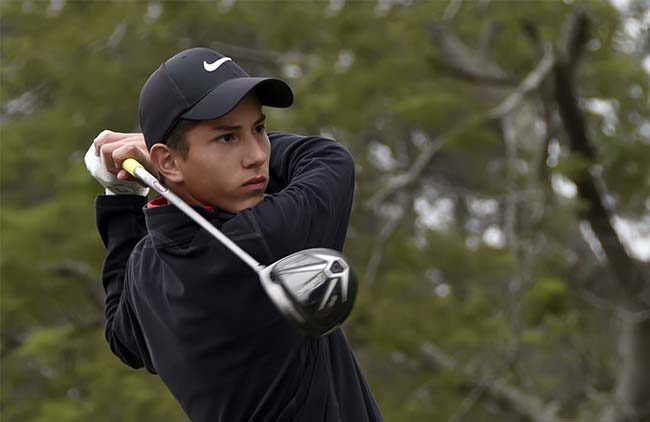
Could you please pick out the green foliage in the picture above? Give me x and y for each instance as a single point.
(547, 297)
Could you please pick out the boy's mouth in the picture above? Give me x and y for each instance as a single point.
(255, 183)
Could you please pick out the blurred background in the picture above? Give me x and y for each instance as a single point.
(501, 226)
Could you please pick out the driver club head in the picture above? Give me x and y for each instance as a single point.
(315, 289)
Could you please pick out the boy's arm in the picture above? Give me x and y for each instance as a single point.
(121, 225)
(313, 183)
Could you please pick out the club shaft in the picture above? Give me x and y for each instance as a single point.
(142, 174)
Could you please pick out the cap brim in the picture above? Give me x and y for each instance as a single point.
(221, 100)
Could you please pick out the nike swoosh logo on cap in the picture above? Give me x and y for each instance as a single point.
(211, 67)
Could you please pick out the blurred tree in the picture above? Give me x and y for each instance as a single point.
(501, 209)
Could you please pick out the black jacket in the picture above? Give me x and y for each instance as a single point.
(183, 306)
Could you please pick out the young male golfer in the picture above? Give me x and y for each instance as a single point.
(182, 305)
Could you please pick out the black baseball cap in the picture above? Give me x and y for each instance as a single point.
(200, 84)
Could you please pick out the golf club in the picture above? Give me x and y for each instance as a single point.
(314, 289)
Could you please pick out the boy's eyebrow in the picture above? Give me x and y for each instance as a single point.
(226, 127)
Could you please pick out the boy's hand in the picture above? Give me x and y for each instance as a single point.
(104, 161)
(115, 147)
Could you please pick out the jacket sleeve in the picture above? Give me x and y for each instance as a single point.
(312, 188)
(121, 225)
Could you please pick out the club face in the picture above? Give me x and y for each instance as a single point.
(319, 285)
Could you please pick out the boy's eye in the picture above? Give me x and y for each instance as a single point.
(260, 128)
(228, 137)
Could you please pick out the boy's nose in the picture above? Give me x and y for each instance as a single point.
(255, 154)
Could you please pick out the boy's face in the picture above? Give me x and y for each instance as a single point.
(228, 160)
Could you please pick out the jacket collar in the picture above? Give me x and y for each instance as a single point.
(168, 225)
(160, 201)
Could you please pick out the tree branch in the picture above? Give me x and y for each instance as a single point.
(451, 10)
(401, 181)
(631, 397)
(461, 74)
(463, 59)
(575, 35)
(382, 237)
(489, 34)
(494, 388)
(550, 120)
(627, 270)
(474, 396)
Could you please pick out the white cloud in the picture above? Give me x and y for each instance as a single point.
(443, 290)
(483, 207)
(292, 70)
(437, 215)
(621, 5)
(635, 236)
(563, 186)
(494, 237)
(381, 156)
(646, 64)
(607, 110)
(154, 11)
(344, 61)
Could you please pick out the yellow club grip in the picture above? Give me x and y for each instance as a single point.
(131, 165)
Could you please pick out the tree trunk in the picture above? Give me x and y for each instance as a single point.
(632, 397)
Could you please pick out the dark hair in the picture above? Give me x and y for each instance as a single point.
(177, 140)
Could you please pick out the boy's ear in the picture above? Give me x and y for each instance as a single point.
(166, 162)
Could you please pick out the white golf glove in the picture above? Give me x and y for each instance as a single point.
(112, 185)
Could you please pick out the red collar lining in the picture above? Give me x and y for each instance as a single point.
(160, 201)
